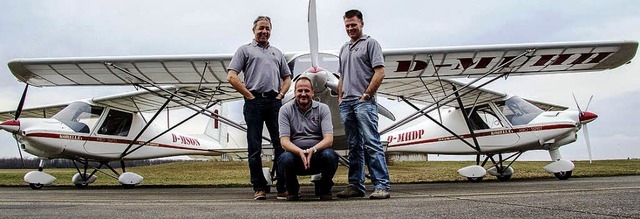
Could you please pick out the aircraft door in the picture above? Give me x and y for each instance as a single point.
(111, 135)
(492, 130)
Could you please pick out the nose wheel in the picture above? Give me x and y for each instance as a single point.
(36, 186)
(564, 175)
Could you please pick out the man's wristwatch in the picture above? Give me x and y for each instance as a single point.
(366, 96)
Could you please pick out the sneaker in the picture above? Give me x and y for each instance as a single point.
(349, 192)
(293, 197)
(260, 195)
(380, 194)
(282, 195)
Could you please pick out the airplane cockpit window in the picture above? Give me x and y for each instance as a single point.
(519, 111)
(483, 117)
(117, 123)
(79, 116)
(303, 62)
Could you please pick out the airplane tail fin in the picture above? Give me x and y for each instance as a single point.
(227, 136)
(216, 129)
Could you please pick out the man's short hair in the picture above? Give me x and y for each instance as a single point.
(303, 78)
(259, 18)
(351, 13)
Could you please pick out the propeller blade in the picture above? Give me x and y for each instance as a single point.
(575, 100)
(332, 86)
(586, 138)
(588, 103)
(24, 95)
(19, 151)
(385, 112)
(313, 34)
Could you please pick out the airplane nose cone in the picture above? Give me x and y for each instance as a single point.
(587, 117)
(12, 126)
(318, 77)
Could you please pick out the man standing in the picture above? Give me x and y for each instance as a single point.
(306, 134)
(266, 79)
(362, 70)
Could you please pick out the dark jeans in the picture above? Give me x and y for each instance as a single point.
(259, 111)
(325, 162)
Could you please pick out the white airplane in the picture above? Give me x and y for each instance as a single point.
(416, 75)
(109, 129)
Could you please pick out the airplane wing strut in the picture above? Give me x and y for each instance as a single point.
(445, 100)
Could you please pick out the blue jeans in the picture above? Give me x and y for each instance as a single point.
(360, 121)
(259, 111)
(324, 162)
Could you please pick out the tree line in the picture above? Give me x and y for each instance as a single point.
(32, 163)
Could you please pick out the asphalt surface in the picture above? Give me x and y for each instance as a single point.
(597, 197)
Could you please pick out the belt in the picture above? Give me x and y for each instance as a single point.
(265, 94)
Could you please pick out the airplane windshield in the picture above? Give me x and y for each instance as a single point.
(79, 116)
(303, 62)
(519, 111)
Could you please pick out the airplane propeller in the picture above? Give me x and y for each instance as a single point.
(313, 34)
(15, 119)
(586, 117)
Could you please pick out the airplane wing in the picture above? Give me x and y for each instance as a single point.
(160, 70)
(34, 112)
(517, 59)
(141, 101)
(152, 100)
(430, 91)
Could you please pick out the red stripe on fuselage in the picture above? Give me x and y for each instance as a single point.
(489, 133)
(107, 140)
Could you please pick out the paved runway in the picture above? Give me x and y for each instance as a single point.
(598, 197)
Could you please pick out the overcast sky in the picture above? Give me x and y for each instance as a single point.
(37, 29)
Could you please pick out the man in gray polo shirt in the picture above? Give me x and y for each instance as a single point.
(306, 134)
(361, 73)
(266, 79)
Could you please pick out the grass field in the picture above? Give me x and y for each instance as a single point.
(224, 174)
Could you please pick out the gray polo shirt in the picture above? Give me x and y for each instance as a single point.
(305, 128)
(263, 67)
(357, 62)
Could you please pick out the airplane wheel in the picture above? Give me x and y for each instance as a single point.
(35, 186)
(563, 175)
(474, 179)
(504, 178)
(128, 186)
(82, 185)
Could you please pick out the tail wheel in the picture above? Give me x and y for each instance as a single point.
(563, 175)
(36, 186)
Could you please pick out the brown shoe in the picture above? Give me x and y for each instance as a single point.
(282, 195)
(349, 192)
(260, 195)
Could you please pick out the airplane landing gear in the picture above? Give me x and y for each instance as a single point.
(504, 178)
(564, 175)
(501, 172)
(475, 179)
(38, 179)
(562, 169)
(35, 186)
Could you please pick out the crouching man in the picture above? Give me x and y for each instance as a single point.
(306, 135)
